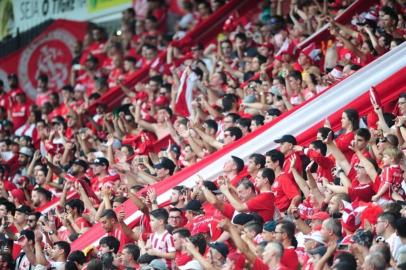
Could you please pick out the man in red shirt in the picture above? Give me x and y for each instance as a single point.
(20, 109)
(179, 235)
(285, 234)
(287, 143)
(317, 152)
(78, 224)
(271, 257)
(262, 204)
(232, 169)
(198, 221)
(111, 226)
(100, 170)
(284, 188)
(254, 164)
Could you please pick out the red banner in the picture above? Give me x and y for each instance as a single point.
(50, 53)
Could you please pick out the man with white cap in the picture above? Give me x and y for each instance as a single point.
(314, 245)
(24, 158)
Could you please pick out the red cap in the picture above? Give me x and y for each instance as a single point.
(18, 194)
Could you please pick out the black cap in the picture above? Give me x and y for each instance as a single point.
(220, 247)
(212, 187)
(25, 209)
(274, 112)
(238, 162)
(270, 226)
(287, 138)
(81, 163)
(166, 163)
(193, 205)
(176, 149)
(101, 161)
(242, 218)
(28, 233)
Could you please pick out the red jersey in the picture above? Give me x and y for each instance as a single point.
(324, 165)
(298, 163)
(182, 258)
(343, 142)
(164, 243)
(120, 235)
(362, 192)
(260, 265)
(290, 259)
(200, 222)
(263, 204)
(394, 176)
(284, 189)
(19, 114)
(96, 182)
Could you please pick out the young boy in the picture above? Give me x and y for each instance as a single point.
(390, 184)
(160, 242)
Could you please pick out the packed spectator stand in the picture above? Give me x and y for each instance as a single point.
(134, 163)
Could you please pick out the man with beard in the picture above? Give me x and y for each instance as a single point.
(101, 175)
(40, 197)
(77, 172)
(178, 197)
(24, 158)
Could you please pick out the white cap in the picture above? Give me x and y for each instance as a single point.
(315, 236)
(193, 264)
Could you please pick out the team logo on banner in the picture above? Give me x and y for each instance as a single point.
(50, 55)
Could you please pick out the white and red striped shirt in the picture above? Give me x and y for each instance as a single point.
(164, 243)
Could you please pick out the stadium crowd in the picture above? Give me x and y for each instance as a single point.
(337, 203)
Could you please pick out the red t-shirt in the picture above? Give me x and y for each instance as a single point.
(263, 204)
(362, 192)
(259, 265)
(284, 189)
(324, 165)
(182, 258)
(96, 182)
(343, 142)
(298, 164)
(198, 223)
(19, 114)
(120, 235)
(394, 176)
(290, 259)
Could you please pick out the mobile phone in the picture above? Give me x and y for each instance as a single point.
(343, 247)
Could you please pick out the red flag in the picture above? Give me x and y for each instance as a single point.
(184, 96)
